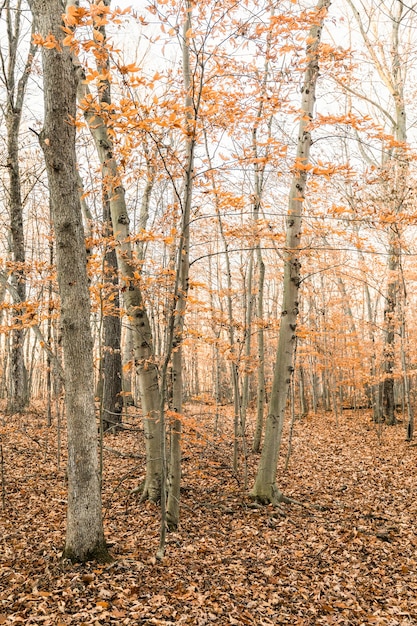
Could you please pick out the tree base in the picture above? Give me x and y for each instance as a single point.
(99, 554)
(149, 491)
(275, 497)
(269, 495)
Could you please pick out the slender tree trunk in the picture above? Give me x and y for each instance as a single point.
(112, 331)
(258, 180)
(145, 364)
(265, 489)
(234, 371)
(111, 366)
(260, 397)
(85, 536)
(392, 70)
(248, 282)
(19, 391)
(127, 363)
(183, 270)
(303, 394)
(388, 401)
(403, 351)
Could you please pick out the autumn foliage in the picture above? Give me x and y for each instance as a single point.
(200, 206)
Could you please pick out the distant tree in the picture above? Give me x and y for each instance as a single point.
(15, 88)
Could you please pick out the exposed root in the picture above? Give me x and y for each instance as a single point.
(287, 500)
(276, 498)
(147, 491)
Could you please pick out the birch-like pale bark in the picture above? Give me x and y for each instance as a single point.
(84, 536)
(265, 489)
(145, 364)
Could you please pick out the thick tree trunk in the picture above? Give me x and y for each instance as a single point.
(85, 536)
(265, 489)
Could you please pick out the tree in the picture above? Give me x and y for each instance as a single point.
(265, 489)
(84, 536)
(111, 365)
(390, 64)
(145, 363)
(18, 396)
(191, 108)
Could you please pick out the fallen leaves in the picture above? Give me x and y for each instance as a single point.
(350, 558)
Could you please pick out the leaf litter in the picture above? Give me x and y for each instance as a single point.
(348, 557)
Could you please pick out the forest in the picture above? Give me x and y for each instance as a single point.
(207, 312)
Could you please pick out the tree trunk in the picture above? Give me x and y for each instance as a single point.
(303, 394)
(234, 370)
(112, 403)
(260, 393)
(146, 367)
(181, 292)
(391, 67)
(18, 392)
(85, 536)
(248, 308)
(265, 489)
(388, 401)
(111, 368)
(258, 184)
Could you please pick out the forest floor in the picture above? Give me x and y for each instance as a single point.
(350, 558)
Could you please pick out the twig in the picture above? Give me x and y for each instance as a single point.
(127, 455)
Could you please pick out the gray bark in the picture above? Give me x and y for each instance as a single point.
(181, 292)
(111, 368)
(234, 370)
(260, 393)
(391, 67)
(84, 536)
(18, 397)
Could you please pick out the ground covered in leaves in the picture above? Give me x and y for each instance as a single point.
(349, 558)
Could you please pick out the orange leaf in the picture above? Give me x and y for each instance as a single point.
(103, 604)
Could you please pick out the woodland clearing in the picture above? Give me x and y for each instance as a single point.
(349, 558)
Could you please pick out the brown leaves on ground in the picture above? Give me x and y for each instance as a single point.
(348, 559)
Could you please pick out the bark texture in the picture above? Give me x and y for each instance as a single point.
(145, 364)
(265, 489)
(84, 537)
(112, 332)
(18, 397)
(182, 284)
